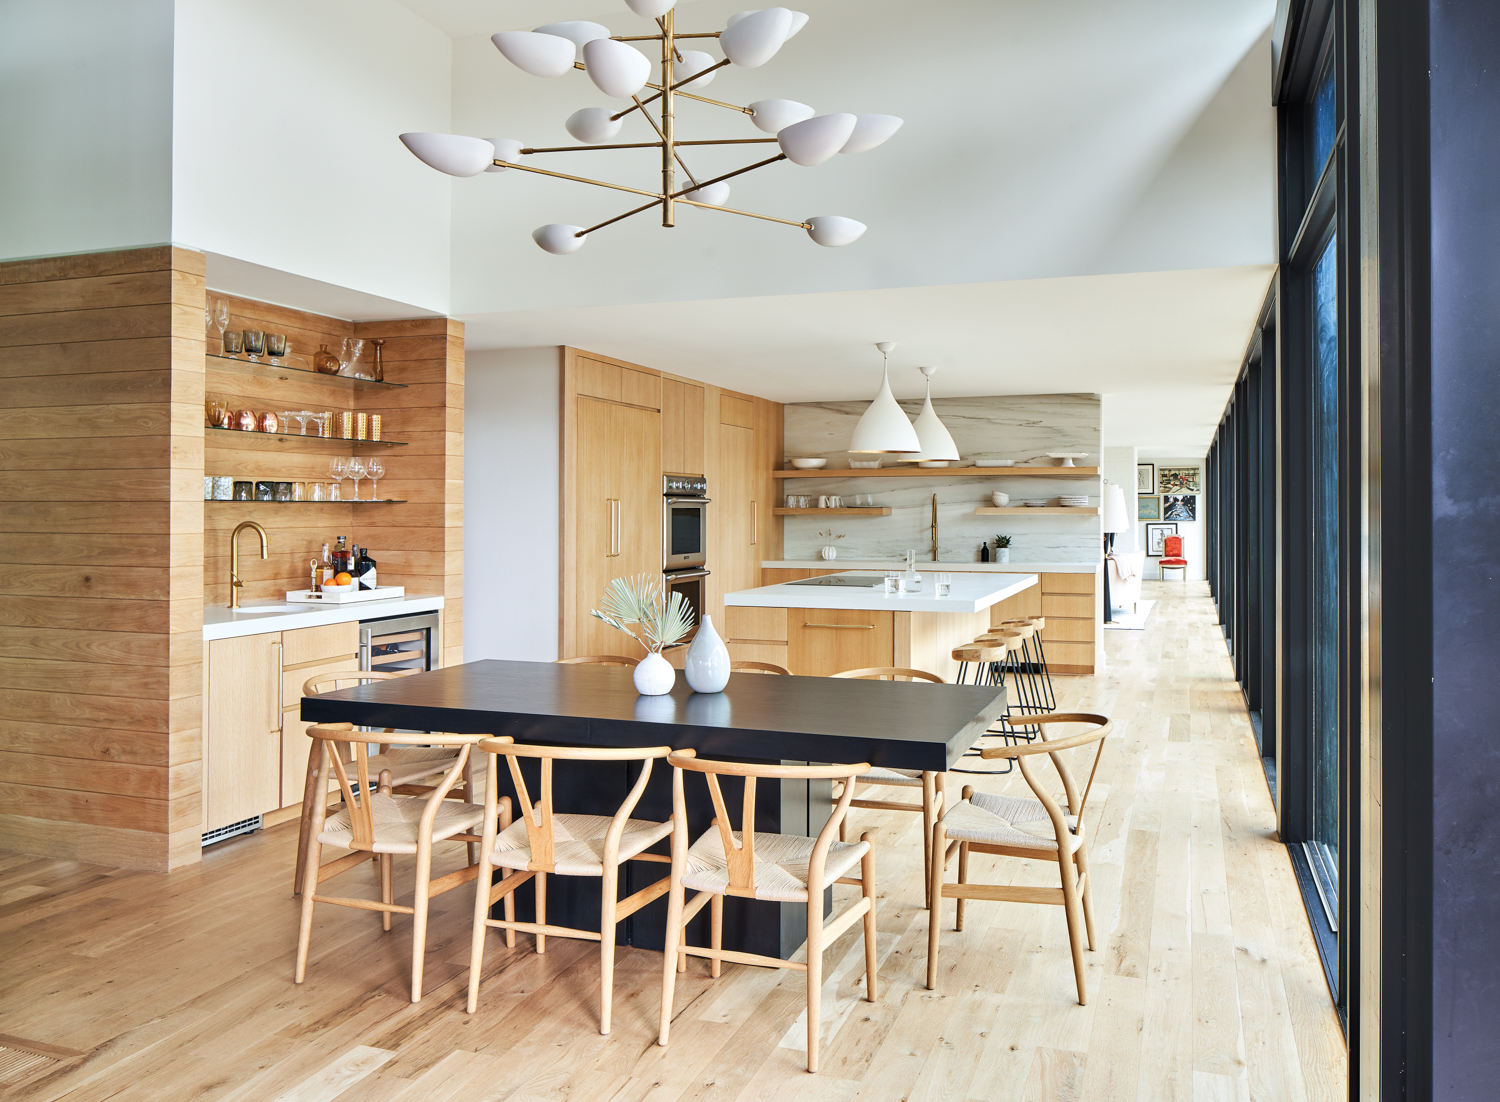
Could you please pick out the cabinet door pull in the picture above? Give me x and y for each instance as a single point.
(754, 521)
(280, 678)
(847, 627)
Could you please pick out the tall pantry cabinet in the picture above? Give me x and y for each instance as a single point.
(624, 426)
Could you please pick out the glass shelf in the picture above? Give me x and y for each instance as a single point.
(344, 501)
(287, 371)
(209, 431)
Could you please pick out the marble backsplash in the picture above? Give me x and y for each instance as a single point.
(1023, 427)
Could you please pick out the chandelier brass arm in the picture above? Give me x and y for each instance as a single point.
(746, 213)
(616, 218)
(736, 172)
(579, 179)
(666, 137)
(719, 141)
(577, 148)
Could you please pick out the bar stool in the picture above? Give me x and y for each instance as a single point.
(991, 655)
(1028, 696)
(1039, 623)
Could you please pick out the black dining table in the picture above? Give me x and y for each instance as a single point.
(757, 718)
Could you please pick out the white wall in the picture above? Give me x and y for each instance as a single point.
(511, 508)
(85, 125)
(285, 149)
(1117, 465)
(1194, 534)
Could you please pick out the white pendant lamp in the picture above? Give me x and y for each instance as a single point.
(559, 240)
(832, 231)
(799, 20)
(870, 131)
(816, 140)
(593, 125)
(580, 32)
(650, 8)
(616, 69)
(771, 115)
(506, 149)
(937, 443)
(884, 427)
(692, 63)
(715, 195)
(541, 55)
(754, 40)
(454, 154)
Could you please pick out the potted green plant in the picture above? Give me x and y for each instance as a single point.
(1002, 549)
(664, 621)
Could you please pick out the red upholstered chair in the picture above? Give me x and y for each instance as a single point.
(1172, 557)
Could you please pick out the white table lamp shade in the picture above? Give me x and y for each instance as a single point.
(1116, 518)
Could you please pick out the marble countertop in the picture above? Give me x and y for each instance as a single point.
(260, 617)
(969, 593)
(834, 565)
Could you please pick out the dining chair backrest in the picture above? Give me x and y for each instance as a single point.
(359, 792)
(541, 827)
(757, 667)
(740, 854)
(1101, 727)
(1171, 547)
(599, 660)
(891, 673)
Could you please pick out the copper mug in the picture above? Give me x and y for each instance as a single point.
(268, 422)
(222, 419)
(244, 420)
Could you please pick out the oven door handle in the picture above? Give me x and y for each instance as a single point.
(688, 500)
(685, 575)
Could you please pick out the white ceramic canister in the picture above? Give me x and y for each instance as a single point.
(654, 675)
(707, 664)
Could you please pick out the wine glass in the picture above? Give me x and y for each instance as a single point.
(221, 321)
(338, 469)
(356, 472)
(374, 468)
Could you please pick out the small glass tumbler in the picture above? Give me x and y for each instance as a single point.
(299, 491)
(283, 491)
(208, 487)
(944, 584)
(333, 492)
(892, 581)
(374, 426)
(244, 491)
(276, 347)
(255, 344)
(315, 492)
(233, 345)
(223, 487)
(361, 425)
(265, 491)
(346, 425)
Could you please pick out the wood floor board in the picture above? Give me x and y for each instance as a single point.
(1205, 984)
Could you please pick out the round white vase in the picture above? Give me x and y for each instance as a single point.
(1002, 554)
(707, 665)
(830, 552)
(654, 675)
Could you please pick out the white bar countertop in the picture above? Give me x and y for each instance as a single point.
(972, 567)
(969, 593)
(260, 617)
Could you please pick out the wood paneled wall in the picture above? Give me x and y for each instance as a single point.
(101, 556)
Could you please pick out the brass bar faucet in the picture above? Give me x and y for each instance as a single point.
(934, 529)
(234, 559)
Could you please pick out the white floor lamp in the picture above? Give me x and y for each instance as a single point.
(1116, 520)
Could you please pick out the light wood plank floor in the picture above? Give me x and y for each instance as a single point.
(1206, 985)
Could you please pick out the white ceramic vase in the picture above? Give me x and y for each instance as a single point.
(654, 675)
(707, 665)
(830, 552)
(1002, 554)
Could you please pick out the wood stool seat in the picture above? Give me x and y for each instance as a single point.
(758, 667)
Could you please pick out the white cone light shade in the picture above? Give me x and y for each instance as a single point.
(650, 8)
(506, 149)
(541, 55)
(831, 231)
(693, 62)
(870, 131)
(557, 239)
(716, 194)
(772, 115)
(817, 139)
(884, 427)
(933, 435)
(593, 125)
(576, 31)
(616, 69)
(1116, 519)
(451, 153)
(799, 20)
(754, 40)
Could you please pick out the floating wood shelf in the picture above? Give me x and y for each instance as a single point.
(943, 472)
(237, 366)
(1039, 510)
(217, 434)
(343, 501)
(841, 512)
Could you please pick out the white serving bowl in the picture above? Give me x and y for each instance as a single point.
(933, 463)
(808, 464)
(1000, 500)
(329, 587)
(864, 464)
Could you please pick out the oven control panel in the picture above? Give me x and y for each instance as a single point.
(687, 485)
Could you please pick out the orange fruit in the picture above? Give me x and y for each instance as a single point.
(342, 579)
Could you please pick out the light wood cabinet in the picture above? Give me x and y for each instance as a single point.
(681, 427)
(308, 653)
(822, 642)
(242, 729)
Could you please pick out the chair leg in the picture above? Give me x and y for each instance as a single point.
(540, 880)
(608, 904)
(963, 878)
(419, 917)
(929, 816)
(669, 952)
(304, 922)
(814, 976)
(309, 793)
(469, 795)
(1082, 859)
(867, 889)
(482, 884)
(387, 895)
(716, 934)
(935, 900)
(1075, 935)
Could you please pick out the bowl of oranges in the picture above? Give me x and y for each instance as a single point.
(342, 583)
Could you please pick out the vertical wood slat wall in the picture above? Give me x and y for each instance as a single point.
(101, 556)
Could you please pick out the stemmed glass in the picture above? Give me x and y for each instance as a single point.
(338, 468)
(221, 321)
(356, 472)
(374, 468)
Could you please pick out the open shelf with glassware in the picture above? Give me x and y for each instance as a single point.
(1038, 510)
(212, 434)
(941, 472)
(326, 501)
(237, 366)
(877, 511)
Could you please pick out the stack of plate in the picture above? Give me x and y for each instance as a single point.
(1074, 501)
(1036, 502)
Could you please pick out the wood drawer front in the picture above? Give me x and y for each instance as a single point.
(1028, 602)
(1079, 605)
(1060, 629)
(822, 642)
(760, 625)
(1067, 583)
(331, 641)
(1069, 654)
(640, 389)
(293, 680)
(598, 379)
(736, 411)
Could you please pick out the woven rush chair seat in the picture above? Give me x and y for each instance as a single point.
(397, 821)
(781, 865)
(411, 763)
(904, 778)
(1006, 821)
(578, 843)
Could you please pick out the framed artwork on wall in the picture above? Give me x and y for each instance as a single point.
(1148, 508)
(1145, 478)
(1179, 480)
(1155, 533)
(1179, 507)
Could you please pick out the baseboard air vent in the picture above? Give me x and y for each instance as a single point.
(218, 834)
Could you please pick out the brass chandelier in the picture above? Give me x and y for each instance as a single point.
(748, 40)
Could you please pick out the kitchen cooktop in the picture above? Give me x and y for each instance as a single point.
(844, 581)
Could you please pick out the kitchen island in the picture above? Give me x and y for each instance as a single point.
(824, 627)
